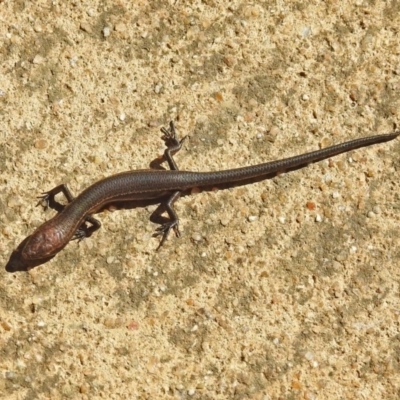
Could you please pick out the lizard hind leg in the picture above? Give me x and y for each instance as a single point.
(166, 224)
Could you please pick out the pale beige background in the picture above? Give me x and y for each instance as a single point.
(261, 297)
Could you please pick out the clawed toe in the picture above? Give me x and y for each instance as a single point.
(164, 231)
(79, 235)
(44, 200)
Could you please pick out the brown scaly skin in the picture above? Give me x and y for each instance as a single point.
(70, 223)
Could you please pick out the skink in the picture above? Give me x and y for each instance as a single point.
(166, 185)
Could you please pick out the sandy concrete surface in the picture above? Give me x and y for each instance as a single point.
(284, 289)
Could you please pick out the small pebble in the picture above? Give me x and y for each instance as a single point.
(252, 218)
(197, 237)
(310, 205)
(377, 210)
(120, 27)
(106, 31)
(253, 103)
(370, 173)
(342, 256)
(190, 302)
(10, 375)
(260, 135)
(158, 88)
(224, 222)
(309, 356)
(325, 142)
(250, 243)
(40, 144)
(133, 326)
(274, 132)
(39, 358)
(306, 31)
(336, 265)
(328, 178)
(309, 395)
(38, 59)
(153, 124)
(218, 96)
(335, 195)
(6, 326)
(353, 249)
(84, 389)
(72, 62)
(371, 214)
(296, 384)
(86, 27)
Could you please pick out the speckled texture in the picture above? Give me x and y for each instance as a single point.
(285, 289)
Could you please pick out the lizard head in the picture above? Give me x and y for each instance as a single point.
(45, 242)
